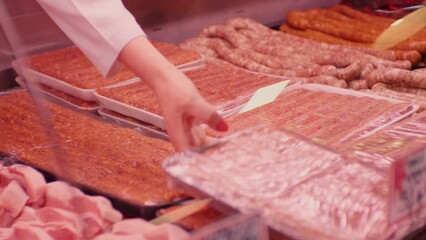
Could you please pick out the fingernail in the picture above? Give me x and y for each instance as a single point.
(222, 125)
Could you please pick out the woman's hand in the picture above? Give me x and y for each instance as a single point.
(183, 108)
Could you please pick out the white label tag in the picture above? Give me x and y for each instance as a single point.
(264, 96)
(409, 187)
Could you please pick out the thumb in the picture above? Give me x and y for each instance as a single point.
(206, 113)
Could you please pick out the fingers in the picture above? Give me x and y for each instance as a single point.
(206, 113)
(198, 136)
(217, 122)
(186, 134)
(178, 134)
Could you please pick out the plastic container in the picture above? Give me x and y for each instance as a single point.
(84, 94)
(146, 129)
(328, 115)
(58, 99)
(131, 111)
(236, 226)
(395, 142)
(303, 190)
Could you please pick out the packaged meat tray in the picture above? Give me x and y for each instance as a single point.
(302, 189)
(84, 93)
(266, 180)
(68, 69)
(325, 114)
(99, 156)
(401, 148)
(393, 142)
(223, 86)
(125, 121)
(62, 97)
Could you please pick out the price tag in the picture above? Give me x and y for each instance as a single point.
(264, 96)
(408, 187)
(239, 226)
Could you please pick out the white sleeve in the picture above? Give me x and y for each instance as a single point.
(100, 28)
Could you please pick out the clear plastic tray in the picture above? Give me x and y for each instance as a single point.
(392, 143)
(146, 130)
(239, 189)
(237, 226)
(21, 83)
(367, 127)
(84, 94)
(298, 202)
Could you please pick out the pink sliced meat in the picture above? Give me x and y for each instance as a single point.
(32, 182)
(12, 201)
(102, 206)
(59, 194)
(96, 212)
(6, 233)
(27, 214)
(33, 233)
(59, 224)
(110, 236)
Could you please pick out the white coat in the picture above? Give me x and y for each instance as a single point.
(100, 28)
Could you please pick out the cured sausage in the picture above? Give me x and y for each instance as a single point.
(301, 20)
(358, 84)
(350, 12)
(404, 89)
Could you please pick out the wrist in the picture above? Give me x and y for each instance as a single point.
(164, 79)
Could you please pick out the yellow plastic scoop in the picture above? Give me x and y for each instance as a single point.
(401, 29)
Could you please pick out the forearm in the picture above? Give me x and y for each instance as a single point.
(99, 28)
(148, 63)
